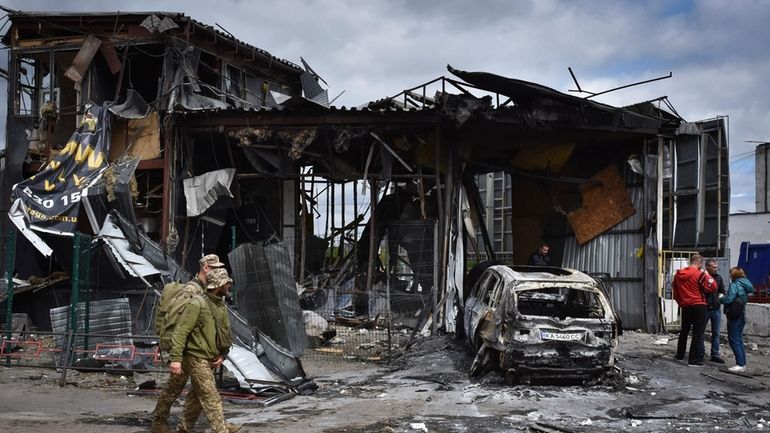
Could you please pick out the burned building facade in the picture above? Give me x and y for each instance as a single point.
(214, 144)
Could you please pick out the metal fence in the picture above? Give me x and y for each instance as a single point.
(8, 244)
(344, 320)
(84, 352)
(331, 316)
(378, 324)
(671, 261)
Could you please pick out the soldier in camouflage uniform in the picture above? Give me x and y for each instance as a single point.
(206, 394)
(177, 382)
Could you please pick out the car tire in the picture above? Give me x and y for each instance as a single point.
(511, 378)
(484, 362)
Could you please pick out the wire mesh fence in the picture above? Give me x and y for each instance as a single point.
(374, 319)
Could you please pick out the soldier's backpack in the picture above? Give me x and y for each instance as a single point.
(168, 311)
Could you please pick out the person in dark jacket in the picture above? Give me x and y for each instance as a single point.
(740, 287)
(540, 257)
(690, 286)
(714, 310)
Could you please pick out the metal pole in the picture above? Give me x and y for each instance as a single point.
(232, 247)
(332, 210)
(441, 217)
(87, 287)
(341, 251)
(355, 216)
(10, 249)
(372, 228)
(434, 326)
(10, 246)
(387, 293)
(74, 297)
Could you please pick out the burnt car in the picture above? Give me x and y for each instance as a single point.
(530, 322)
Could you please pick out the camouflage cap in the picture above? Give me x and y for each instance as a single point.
(212, 260)
(217, 278)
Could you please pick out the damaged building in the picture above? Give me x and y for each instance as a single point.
(188, 141)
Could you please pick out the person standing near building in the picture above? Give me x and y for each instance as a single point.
(690, 286)
(219, 283)
(176, 383)
(540, 257)
(714, 313)
(740, 287)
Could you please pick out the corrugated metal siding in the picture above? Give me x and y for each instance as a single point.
(615, 254)
(266, 294)
(110, 317)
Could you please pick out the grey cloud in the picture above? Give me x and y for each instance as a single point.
(374, 49)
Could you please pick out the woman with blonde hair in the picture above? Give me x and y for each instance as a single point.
(740, 288)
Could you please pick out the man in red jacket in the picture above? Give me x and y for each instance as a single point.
(689, 289)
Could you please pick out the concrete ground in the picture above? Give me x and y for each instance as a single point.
(428, 390)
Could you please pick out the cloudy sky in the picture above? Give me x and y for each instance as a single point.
(716, 50)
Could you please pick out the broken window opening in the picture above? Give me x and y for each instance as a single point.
(144, 69)
(254, 92)
(561, 302)
(231, 83)
(210, 73)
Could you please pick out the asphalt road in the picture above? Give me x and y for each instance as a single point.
(428, 390)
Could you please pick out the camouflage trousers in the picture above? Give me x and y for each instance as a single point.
(168, 396)
(204, 396)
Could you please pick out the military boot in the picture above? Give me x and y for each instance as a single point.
(232, 428)
(159, 427)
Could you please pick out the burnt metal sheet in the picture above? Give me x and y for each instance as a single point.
(134, 107)
(310, 87)
(266, 294)
(189, 100)
(83, 59)
(169, 269)
(527, 94)
(111, 57)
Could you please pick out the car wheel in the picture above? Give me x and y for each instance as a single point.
(511, 378)
(484, 361)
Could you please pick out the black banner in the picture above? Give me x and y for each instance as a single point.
(51, 198)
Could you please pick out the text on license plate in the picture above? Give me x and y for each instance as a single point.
(563, 336)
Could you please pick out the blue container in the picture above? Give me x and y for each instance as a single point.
(754, 259)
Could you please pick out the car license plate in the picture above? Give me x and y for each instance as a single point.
(561, 336)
